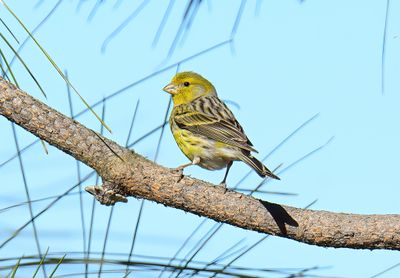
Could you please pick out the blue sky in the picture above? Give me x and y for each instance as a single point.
(288, 62)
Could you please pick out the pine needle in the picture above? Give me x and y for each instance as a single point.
(53, 64)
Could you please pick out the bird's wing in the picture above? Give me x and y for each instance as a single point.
(217, 123)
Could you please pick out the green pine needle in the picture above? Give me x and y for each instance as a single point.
(40, 263)
(58, 264)
(54, 65)
(8, 68)
(23, 63)
(15, 268)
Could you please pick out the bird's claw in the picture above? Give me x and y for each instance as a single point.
(178, 169)
(223, 186)
(178, 173)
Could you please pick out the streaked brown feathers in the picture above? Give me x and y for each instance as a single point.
(217, 123)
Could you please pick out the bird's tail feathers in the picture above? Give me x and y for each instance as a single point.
(258, 166)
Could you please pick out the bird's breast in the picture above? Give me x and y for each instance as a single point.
(213, 155)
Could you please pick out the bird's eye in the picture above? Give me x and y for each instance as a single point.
(186, 84)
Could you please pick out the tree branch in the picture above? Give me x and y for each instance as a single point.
(126, 173)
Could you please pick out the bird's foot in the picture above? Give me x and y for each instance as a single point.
(223, 186)
(178, 173)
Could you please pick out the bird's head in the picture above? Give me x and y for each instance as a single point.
(187, 86)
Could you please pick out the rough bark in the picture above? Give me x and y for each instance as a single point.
(126, 173)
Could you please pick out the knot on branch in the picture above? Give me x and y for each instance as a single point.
(105, 195)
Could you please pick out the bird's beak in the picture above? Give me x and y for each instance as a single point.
(171, 89)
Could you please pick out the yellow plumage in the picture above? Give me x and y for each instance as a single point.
(205, 129)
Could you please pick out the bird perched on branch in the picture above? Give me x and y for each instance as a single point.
(205, 129)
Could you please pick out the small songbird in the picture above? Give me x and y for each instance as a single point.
(205, 129)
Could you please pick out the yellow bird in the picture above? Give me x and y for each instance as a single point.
(205, 129)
